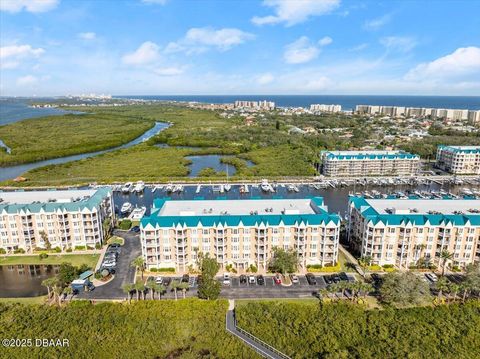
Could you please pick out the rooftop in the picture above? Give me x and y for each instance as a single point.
(461, 148)
(368, 154)
(236, 207)
(423, 206)
(28, 197)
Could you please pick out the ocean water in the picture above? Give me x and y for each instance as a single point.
(14, 110)
(348, 102)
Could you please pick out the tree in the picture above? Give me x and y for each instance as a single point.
(140, 288)
(365, 262)
(441, 286)
(139, 264)
(68, 291)
(127, 289)
(183, 286)
(175, 285)
(209, 288)
(45, 240)
(403, 288)
(150, 285)
(107, 228)
(66, 274)
(277, 125)
(160, 289)
(283, 261)
(453, 289)
(445, 256)
(49, 283)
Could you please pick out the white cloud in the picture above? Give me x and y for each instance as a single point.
(34, 6)
(87, 35)
(359, 47)
(169, 71)
(398, 43)
(147, 53)
(27, 80)
(303, 50)
(223, 39)
(377, 23)
(265, 79)
(464, 61)
(292, 12)
(158, 2)
(11, 56)
(327, 40)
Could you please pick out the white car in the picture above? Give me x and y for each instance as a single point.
(294, 279)
(432, 277)
(226, 279)
(159, 280)
(252, 279)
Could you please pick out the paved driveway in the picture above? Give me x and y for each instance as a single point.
(125, 273)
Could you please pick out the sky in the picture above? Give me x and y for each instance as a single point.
(169, 47)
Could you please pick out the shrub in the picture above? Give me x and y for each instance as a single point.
(98, 246)
(58, 249)
(98, 275)
(125, 224)
(386, 266)
(42, 256)
(374, 267)
(80, 248)
(3, 251)
(154, 270)
(166, 270)
(19, 251)
(69, 250)
(327, 269)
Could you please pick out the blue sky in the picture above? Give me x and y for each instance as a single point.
(140, 47)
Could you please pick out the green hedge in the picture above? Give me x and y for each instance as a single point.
(188, 328)
(125, 224)
(316, 268)
(343, 330)
(163, 270)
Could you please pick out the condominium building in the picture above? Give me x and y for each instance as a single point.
(440, 113)
(459, 159)
(255, 105)
(474, 117)
(369, 163)
(403, 231)
(325, 108)
(238, 232)
(70, 219)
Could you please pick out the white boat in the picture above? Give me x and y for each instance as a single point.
(169, 188)
(127, 187)
(199, 187)
(139, 187)
(265, 186)
(126, 208)
(216, 188)
(227, 187)
(178, 188)
(137, 213)
(290, 188)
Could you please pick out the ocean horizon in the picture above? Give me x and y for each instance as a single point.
(348, 102)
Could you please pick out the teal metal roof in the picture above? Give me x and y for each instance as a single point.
(90, 203)
(319, 218)
(370, 214)
(460, 149)
(366, 155)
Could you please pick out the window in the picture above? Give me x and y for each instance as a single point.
(206, 232)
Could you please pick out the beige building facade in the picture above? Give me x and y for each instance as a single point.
(400, 232)
(460, 160)
(240, 233)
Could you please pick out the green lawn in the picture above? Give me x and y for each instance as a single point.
(58, 136)
(74, 259)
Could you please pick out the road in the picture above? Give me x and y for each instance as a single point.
(125, 273)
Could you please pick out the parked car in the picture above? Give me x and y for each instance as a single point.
(260, 280)
(226, 279)
(191, 282)
(135, 229)
(159, 280)
(311, 279)
(243, 279)
(277, 279)
(343, 276)
(252, 279)
(113, 249)
(294, 279)
(336, 278)
(328, 279)
(185, 278)
(432, 277)
(167, 281)
(376, 278)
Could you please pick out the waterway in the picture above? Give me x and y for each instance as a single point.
(211, 161)
(7, 173)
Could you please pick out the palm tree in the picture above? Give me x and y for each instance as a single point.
(57, 290)
(140, 288)
(420, 248)
(445, 256)
(323, 293)
(151, 286)
(160, 289)
(465, 288)
(139, 264)
(454, 288)
(175, 285)
(442, 286)
(364, 262)
(183, 286)
(366, 288)
(68, 291)
(127, 289)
